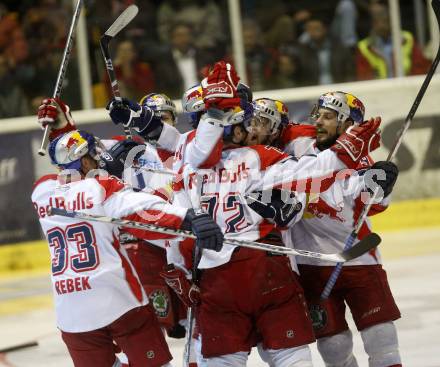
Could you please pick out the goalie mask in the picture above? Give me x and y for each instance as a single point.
(67, 150)
(346, 106)
(163, 104)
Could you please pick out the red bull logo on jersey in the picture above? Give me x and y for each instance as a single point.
(80, 202)
(320, 208)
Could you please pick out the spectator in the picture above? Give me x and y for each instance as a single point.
(343, 27)
(259, 59)
(13, 44)
(287, 72)
(135, 77)
(13, 102)
(324, 59)
(204, 17)
(276, 23)
(46, 39)
(179, 64)
(375, 58)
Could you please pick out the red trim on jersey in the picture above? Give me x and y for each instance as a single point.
(165, 156)
(293, 131)
(364, 230)
(42, 179)
(215, 155)
(178, 182)
(110, 184)
(156, 217)
(268, 155)
(265, 228)
(186, 249)
(163, 193)
(132, 280)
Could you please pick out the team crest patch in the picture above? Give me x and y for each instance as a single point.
(319, 317)
(161, 303)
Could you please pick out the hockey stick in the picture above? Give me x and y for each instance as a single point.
(62, 70)
(197, 254)
(155, 170)
(350, 240)
(366, 244)
(17, 347)
(119, 24)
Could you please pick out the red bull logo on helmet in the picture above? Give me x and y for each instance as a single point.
(75, 139)
(357, 108)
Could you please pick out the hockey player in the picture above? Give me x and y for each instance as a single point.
(363, 284)
(237, 286)
(98, 295)
(147, 258)
(200, 148)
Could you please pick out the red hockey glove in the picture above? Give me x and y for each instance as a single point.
(357, 142)
(176, 279)
(55, 113)
(220, 87)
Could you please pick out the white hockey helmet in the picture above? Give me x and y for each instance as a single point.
(66, 150)
(192, 99)
(274, 111)
(346, 106)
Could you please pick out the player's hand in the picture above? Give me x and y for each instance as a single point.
(55, 113)
(358, 142)
(176, 279)
(277, 206)
(208, 233)
(142, 119)
(220, 87)
(385, 182)
(120, 110)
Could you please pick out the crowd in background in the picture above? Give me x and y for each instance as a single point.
(169, 45)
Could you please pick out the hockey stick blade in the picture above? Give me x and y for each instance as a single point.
(369, 242)
(121, 22)
(17, 347)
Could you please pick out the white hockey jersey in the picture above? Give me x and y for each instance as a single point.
(93, 280)
(201, 148)
(329, 217)
(222, 189)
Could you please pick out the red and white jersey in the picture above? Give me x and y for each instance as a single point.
(94, 282)
(200, 148)
(221, 190)
(325, 226)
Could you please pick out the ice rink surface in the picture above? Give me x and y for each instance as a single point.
(26, 313)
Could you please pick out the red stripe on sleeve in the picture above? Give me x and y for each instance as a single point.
(294, 131)
(110, 184)
(157, 218)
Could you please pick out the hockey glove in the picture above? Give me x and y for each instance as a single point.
(176, 279)
(55, 113)
(277, 206)
(141, 119)
(358, 142)
(208, 233)
(219, 88)
(387, 181)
